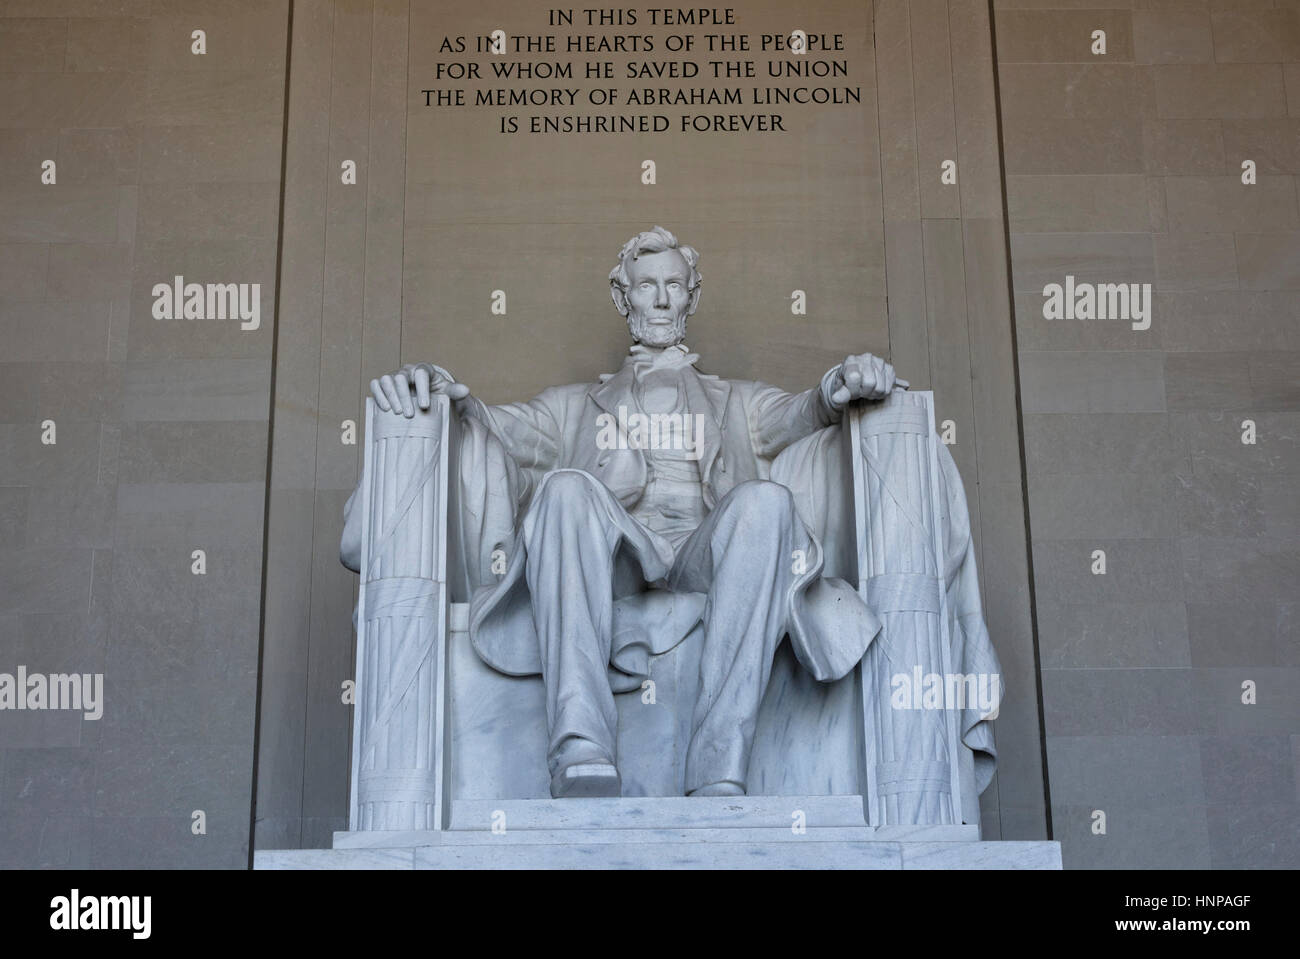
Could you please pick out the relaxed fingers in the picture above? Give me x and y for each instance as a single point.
(390, 391)
(422, 387)
(404, 393)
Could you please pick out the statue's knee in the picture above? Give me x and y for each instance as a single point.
(567, 486)
(766, 498)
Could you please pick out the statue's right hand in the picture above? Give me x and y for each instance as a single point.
(392, 391)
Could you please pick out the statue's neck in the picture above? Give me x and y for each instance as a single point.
(660, 358)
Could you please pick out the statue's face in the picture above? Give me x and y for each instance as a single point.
(658, 299)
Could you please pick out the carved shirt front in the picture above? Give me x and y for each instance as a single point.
(673, 502)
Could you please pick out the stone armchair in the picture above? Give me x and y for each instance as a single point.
(441, 741)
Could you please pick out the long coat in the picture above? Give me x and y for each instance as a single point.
(747, 425)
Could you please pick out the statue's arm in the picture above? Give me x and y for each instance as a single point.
(781, 418)
(532, 432)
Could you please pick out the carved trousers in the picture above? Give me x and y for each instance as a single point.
(741, 556)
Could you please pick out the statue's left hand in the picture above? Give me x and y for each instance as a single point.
(864, 376)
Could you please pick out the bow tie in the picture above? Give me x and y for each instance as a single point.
(646, 359)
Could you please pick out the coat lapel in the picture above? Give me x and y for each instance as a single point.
(705, 394)
(708, 395)
(614, 390)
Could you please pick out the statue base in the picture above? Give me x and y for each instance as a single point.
(751, 832)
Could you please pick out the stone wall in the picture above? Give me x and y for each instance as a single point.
(167, 163)
(172, 436)
(1127, 167)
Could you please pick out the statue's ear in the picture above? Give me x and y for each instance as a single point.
(619, 297)
(695, 301)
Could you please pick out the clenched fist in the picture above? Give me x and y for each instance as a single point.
(392, 391)
(864, 376)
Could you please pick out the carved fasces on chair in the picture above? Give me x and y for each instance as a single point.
(912, 754)
(398, 752)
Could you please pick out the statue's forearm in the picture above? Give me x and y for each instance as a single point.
(828, 410)
(472, 406)
(525, 430)
(816, 408)
(785, 418)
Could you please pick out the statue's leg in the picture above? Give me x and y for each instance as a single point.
(569, 543)
(742, 556)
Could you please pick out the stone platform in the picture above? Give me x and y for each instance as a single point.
(760, 832)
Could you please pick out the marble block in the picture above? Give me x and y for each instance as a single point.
(683, 849)
(805, 743)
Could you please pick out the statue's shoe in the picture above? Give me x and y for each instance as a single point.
(722, 788)
(587, 781)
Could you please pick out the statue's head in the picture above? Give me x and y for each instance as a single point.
(656, 286)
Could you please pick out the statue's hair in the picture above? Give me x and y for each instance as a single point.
(656, 240)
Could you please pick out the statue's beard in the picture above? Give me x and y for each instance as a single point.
(657, 334)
